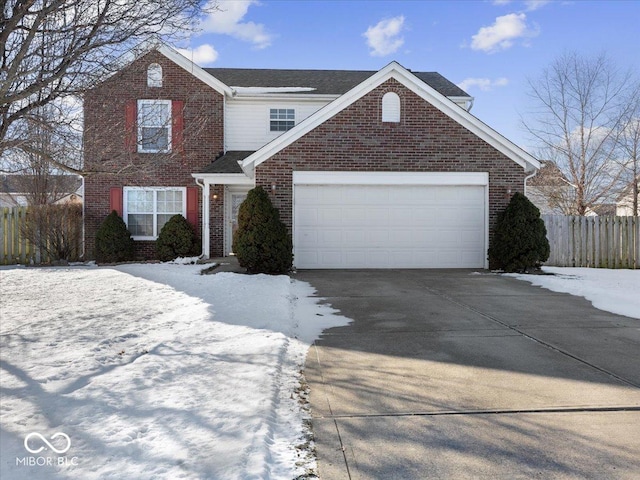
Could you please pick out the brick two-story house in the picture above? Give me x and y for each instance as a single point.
(368, 169)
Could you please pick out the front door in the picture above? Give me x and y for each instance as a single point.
(234, 196)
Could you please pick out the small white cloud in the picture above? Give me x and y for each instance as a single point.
(202, 55)
(532, 5)
(484, 84)
(501, 2)
(227, 18)
(384, 38)
(502, 34)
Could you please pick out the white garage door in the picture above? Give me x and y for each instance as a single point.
(389, 226)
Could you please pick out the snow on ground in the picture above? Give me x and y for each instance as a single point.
(154, 372)
(616, 291)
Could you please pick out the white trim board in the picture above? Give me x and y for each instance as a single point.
(389, 178)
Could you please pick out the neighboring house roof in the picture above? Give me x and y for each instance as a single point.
(411, 81)
(602, 209)
(329, 82)
(227, 163)
(549, 175)
(627, 191)
(23, 190)
(19, 184)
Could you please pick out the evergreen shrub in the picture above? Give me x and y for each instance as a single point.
(519, 238)
(262, 242)
(113, 240)
(176, 239)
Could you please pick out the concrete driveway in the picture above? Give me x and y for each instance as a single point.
(457, 374)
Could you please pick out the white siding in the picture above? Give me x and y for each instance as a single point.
(247, 121)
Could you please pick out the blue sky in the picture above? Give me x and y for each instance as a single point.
(490, 47)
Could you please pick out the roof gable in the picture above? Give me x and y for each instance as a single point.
(412, 82)
(194, 70)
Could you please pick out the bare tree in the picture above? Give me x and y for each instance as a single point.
(53, 50)
(630, 153)
(580, 106)
(34, 176)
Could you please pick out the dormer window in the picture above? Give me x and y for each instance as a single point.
(391, 107)
(281, 119)
(154, 75)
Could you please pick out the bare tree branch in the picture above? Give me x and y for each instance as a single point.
(580, 105)
(54, 49)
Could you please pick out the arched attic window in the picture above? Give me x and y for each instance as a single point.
(391, 107)
(154, 75)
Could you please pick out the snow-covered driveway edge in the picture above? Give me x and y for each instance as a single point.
(615, 291)
(155, 371)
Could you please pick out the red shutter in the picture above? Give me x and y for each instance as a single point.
(192, 206)
(115, 200)
(177, 126)
(130, 135)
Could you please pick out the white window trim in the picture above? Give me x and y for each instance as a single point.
(125, 212)
(391, 108)
(280, 132)
(141, 148)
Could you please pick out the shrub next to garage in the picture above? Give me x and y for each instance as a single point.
(262, 242)
(520, 237)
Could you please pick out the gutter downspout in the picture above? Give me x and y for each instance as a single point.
(84, 232)
(535, 172)
(205, 216)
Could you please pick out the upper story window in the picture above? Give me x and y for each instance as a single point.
(281, 119)
(154, 75)
(391, 107)
(154, 126)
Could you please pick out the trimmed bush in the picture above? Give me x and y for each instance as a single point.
(520, 237)
(262, 242)
(176, 239)
(113, 240)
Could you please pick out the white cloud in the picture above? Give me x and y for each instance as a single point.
(501, 2)
(384, 38)
(227, 20)
(532, 5)
(484, 84)
(502, 34)
(203, 55)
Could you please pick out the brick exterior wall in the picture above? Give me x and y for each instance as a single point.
(425, 140)
(104, 142)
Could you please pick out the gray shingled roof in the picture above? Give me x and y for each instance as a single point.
(227, 163)
(17, 184)
(334, 82)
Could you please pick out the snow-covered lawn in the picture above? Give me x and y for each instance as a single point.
(616, 291)
(154, 372)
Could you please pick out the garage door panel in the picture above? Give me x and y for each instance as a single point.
(389, 226)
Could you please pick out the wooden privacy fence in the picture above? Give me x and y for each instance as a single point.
(57, 223)
(604, 242)
(14, 247)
